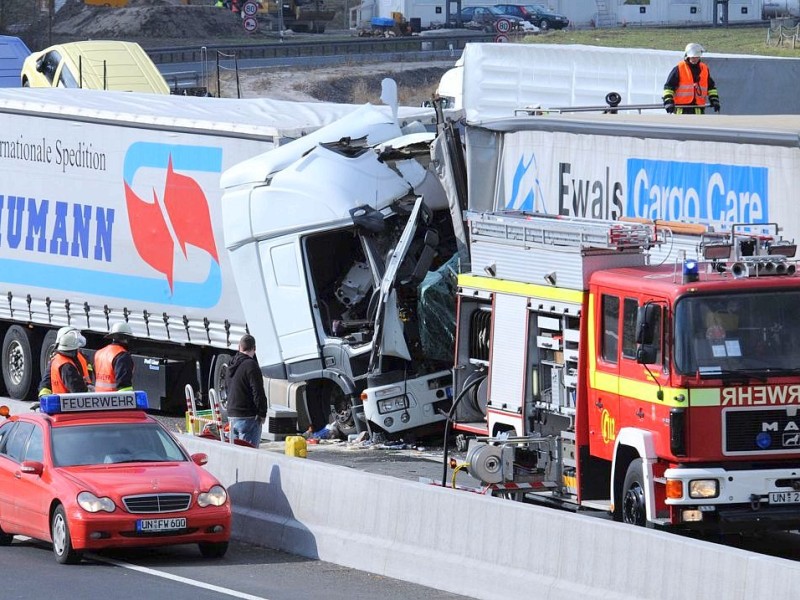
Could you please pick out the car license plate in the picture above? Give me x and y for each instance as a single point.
(784, 497)
(148, 525)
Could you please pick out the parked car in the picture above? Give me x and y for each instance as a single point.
(94, 471)
(489, 19)
(96, 65)
(13, 53)
(538, 14)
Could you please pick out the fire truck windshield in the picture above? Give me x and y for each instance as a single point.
(752, 333)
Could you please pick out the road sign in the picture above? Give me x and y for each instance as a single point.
(250, 9)
(250, 24)
(502, 25)
(500, 38)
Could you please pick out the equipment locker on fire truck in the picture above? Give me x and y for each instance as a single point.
(605, 378)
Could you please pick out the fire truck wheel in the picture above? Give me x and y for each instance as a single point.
(634, 501)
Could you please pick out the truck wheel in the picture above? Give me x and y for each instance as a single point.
(634, 499)
(219, 379)
(48, 349)
(20, 370)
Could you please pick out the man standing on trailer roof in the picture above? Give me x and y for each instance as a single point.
(690, 86)
(113, 364)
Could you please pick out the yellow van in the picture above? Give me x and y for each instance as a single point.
(96, 65)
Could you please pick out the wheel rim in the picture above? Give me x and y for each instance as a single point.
(59, 534)
(633, 510)
(16, 362)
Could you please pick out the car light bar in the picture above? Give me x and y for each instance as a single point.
(93, 402)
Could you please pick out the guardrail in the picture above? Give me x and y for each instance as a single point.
(293, 49)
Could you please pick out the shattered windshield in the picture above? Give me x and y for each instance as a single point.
(748, 334)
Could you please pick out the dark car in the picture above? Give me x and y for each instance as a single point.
(538, 14)
(488, 18)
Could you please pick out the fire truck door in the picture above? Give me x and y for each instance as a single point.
(603, 389)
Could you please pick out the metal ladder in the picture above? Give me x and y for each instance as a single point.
(528, 229)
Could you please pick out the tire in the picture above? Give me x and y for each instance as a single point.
(48, 349)
(62, 541)
(213, 549)
(219, 379)
(20, 370)
(634, 495)
(5, 538)
(544, 24)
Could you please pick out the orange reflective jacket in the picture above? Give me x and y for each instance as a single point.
(105, 378)
(689, 92)
(59, 360)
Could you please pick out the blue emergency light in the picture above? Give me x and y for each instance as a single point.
(93, 402)
(691, 271)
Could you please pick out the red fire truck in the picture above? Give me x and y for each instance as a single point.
(594, 373)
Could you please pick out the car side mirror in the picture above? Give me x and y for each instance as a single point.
(31, 467)
(200, 458)
(40, 64)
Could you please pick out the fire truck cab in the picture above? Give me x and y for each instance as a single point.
(597, 372)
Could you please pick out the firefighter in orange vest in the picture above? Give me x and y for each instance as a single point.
(68, 371)
(690, 86)
(85, 367)
(113, 364)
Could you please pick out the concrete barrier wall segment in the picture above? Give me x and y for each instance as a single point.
(473, 545)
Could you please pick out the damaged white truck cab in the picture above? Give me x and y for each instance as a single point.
(329, 239)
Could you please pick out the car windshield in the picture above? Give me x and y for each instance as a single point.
(748, 334)
(113, 443)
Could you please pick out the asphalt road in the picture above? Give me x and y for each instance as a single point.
(179, 573)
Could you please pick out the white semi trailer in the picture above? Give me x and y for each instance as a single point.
(110, 209)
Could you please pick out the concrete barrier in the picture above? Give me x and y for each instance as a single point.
(474, 545)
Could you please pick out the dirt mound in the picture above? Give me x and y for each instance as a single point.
(148, 20)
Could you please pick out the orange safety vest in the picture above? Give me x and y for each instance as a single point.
(105, 379)
(59, 360)
(688, 91)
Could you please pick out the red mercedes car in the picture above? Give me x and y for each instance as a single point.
(94, 471)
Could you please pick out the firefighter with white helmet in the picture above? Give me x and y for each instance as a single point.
(68, 371)
(113, 364)
(689, 85)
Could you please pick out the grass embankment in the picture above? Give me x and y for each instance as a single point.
(724, 40)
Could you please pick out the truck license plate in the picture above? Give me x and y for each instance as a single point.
(784, 497)
(147, 525)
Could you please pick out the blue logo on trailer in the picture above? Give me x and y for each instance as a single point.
(696, 192)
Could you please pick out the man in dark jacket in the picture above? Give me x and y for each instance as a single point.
(247, 401)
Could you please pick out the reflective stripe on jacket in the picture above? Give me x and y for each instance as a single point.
(105, 378)
(689, 92)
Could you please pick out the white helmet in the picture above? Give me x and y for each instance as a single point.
(693, 50)
(70, 339)
(120, 328)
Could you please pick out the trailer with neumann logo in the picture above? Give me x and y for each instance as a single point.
(110, 210)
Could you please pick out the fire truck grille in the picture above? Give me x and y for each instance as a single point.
(762, 431)
(157, 503)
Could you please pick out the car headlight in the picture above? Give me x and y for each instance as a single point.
(216, 496)
(91, 503)
(703, 488)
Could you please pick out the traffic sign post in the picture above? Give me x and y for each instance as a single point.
(250, 8)
(250, 24)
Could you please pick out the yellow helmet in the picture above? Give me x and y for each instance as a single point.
(693, 51)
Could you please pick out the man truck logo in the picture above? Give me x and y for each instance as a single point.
(608, 427)
(178, 214)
